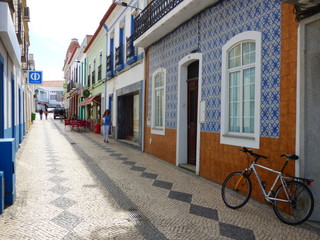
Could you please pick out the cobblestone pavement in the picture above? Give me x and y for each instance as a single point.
(73, 186)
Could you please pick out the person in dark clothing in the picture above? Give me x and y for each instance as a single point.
(41, 112)
(46, 113)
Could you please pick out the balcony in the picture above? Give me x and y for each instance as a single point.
(110, 71)
(130, 49)
(304, 9)
(18, 22)
(119, 58)
(71, 86)
(161, 17)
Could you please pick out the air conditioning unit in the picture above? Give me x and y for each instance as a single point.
(26, 14)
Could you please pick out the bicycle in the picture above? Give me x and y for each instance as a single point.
(292, 201)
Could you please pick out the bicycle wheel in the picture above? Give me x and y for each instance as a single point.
(236, 190)
(300, 205)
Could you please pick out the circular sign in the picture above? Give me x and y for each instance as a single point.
(86, 93)
(35, 76)
(37, 90)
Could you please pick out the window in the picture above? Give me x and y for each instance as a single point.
(158, 102)
(240, 90)
(53, 97)
(89, 80)
(43, 96)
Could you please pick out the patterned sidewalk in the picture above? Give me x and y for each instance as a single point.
(72, 185)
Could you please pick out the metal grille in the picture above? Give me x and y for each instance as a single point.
(154, 11)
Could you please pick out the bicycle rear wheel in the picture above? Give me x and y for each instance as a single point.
(300, 205)
(236, 190)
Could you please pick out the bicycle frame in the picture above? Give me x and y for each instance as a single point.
(268, 197)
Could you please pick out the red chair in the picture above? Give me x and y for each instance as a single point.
(67, 122)
(83, 124)
(75, 124)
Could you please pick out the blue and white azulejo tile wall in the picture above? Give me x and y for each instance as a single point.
(208, 32)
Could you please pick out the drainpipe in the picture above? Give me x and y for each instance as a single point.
(105, 83)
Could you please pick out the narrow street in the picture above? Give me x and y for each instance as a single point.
(71, 185)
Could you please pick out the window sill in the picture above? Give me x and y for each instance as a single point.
(240, 140)
(158, 131)
(230, 135)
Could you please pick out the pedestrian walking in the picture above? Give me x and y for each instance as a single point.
(41, 112)
(46, 113)
(106, 124)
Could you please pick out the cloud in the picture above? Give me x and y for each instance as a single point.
(53, 25)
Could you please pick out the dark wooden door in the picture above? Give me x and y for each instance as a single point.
(121, 117)
(192, 119)
(128, 125)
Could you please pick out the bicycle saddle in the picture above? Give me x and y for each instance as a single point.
(290, 156)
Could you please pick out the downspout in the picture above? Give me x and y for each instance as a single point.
(105, 83)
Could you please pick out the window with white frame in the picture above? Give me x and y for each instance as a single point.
(158, 102)
(240, 90)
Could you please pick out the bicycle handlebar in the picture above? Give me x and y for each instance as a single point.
(255, 155)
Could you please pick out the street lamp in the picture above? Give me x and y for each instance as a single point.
(124, 4)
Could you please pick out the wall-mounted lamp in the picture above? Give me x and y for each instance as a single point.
(126, 5)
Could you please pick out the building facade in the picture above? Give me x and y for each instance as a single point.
(308, 88)
(30, 95)
(221, 75)
(95, 53)
(113, 75)
(125, 74)
(14, 45)
(70, 69)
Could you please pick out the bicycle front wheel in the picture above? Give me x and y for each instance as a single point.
(294, 203)
(236, 190)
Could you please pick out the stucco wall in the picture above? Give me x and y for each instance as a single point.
(310, 165)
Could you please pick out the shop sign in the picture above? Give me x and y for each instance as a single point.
(86, 93)
(35, 77)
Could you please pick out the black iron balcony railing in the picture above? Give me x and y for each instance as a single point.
(99, 72)
(130, 47)
(89, 80)
(71, 85)
(304, 11)
(110, 63)
(153, 12)
(119, 55)
(93, 78)
(110, 67)
(18, 22)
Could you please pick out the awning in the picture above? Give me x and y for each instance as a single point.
(89, 100)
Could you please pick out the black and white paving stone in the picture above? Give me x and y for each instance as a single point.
(73, 186)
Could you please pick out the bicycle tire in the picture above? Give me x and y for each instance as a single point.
(236, 198)
(301, 204)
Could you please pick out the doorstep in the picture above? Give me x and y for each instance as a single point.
(189, 167)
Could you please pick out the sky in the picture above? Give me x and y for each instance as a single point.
(52, 26)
